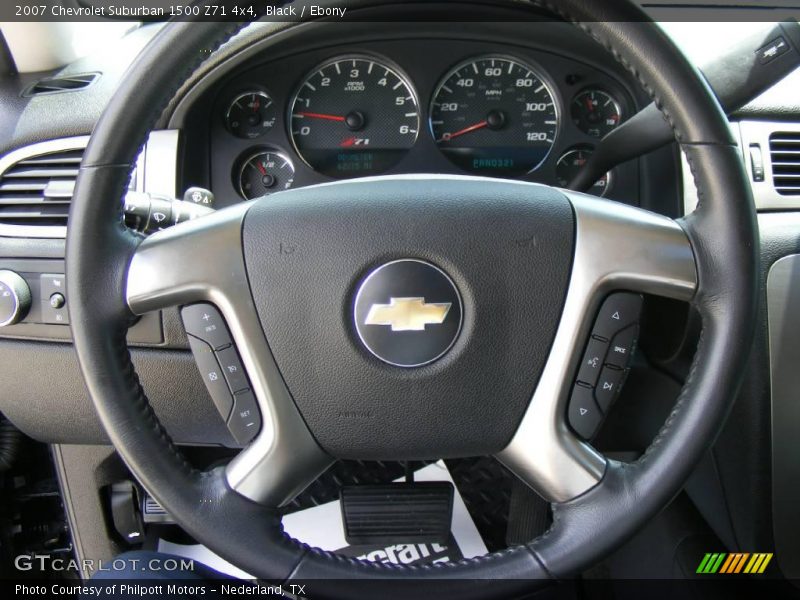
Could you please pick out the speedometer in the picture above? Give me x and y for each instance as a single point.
(494, 115)
(354, 116)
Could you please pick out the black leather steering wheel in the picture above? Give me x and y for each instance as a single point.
(527, 310)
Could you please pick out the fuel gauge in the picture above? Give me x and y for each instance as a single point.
(263, 173)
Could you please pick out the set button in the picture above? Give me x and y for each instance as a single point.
(245, 419)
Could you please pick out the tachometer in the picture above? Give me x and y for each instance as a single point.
(494, 115)
(354, 116)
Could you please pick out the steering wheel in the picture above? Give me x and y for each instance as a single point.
(528, 266)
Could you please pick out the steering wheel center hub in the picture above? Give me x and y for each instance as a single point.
(408, 313)
(459, 280)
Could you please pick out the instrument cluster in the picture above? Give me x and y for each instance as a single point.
(361, 114)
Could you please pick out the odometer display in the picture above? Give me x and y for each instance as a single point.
(354, 116)
(494, 116)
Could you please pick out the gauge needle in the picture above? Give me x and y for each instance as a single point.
(589, 104)
(312, 115)
(450, 136)
(261, 168)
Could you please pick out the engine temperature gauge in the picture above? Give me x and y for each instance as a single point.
(571, 162)
(263, 173)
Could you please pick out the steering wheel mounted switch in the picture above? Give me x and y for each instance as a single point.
(605, 361)
(222, 370)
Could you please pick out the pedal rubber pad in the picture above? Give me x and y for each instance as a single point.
(397, 512)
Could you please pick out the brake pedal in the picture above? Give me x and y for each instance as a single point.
(397, 512)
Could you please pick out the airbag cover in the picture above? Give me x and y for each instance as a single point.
(506, 246)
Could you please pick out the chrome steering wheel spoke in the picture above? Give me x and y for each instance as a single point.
(202, 261)
(617, 247)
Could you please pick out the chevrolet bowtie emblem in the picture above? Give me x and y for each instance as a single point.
(407, 314)
(437, 324)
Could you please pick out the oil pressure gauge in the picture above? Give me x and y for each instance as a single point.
(250, 115)
(263, 173)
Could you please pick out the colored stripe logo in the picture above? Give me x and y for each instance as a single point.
(736, 562)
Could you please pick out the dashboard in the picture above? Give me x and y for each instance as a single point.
(494, 106)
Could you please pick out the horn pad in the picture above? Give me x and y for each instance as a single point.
(411, 318)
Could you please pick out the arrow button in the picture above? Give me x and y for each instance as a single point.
(583, 414)
(619, 311)
(608, 387)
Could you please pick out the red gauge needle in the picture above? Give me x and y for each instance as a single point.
(589, 104)
(261, 168)
(450, 136)
(312, 115)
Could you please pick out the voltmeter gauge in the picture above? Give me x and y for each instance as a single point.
(251, 115)
(595, 112)
(263, 173)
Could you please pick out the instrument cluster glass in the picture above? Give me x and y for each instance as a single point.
(357, 115)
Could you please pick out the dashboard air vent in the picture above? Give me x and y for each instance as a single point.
(63, 83)
(784, 150)
(37, 190)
